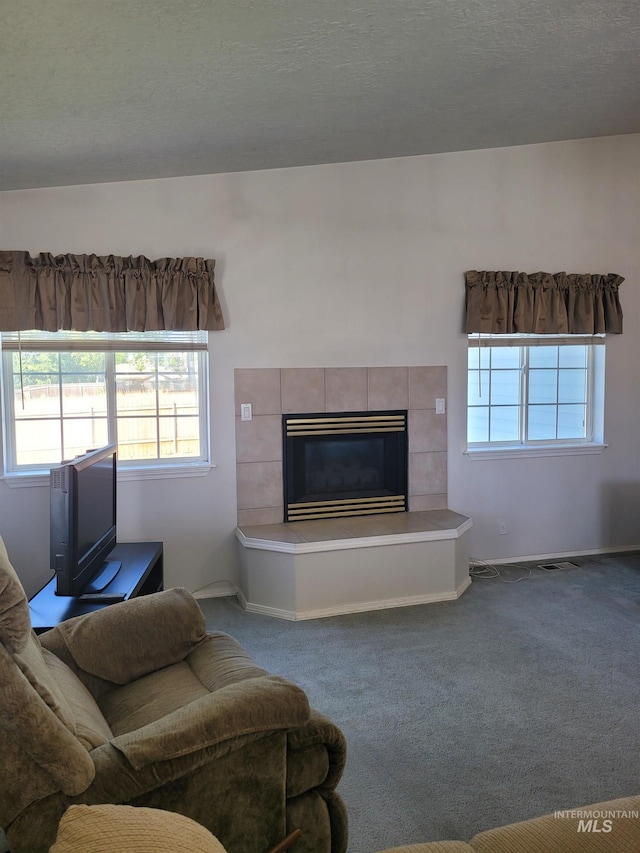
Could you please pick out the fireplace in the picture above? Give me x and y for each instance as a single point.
(344, 463)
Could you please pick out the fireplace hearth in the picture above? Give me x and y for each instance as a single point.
(344, 463)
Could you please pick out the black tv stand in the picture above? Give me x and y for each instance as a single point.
(141, 572)
(104, 577)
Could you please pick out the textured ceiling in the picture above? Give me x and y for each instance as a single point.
(110, 90)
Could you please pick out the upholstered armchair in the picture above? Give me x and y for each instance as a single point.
(137, 704)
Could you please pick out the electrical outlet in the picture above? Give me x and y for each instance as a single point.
(502, 528)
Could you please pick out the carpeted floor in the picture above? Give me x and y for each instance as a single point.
(517, 699)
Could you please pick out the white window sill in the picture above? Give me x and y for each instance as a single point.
(490, 453)
(151, 472)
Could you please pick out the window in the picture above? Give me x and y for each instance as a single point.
(66, 392)
(534, 392)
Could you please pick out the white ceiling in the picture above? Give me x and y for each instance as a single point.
(111, 90)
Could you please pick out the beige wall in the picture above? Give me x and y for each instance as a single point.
(362, 264)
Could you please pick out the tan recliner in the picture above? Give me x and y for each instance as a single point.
(136, 704)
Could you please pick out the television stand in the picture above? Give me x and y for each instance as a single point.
(107, 573)
(141, 572)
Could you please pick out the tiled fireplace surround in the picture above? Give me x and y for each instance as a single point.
(309, 569)
(274, 391)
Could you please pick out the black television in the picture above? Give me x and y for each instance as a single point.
(83, 522)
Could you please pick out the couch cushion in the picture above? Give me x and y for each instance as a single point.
(15, 620)
(125, 829)
(220, 661)
(150, 698)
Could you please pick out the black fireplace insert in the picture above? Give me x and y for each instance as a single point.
(344, 463)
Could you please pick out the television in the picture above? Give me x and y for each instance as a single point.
(83, 522)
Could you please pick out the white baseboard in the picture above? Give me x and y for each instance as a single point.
(264, 610)
(562, 555)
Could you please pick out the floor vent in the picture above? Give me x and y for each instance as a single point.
(549, 567)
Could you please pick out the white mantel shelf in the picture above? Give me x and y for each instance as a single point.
(312, 569)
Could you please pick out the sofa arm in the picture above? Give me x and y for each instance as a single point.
(615, 822)
(128, 640)
(265, 704)
(319, 732)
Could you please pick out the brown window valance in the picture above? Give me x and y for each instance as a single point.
(107, 293)
(502, 303)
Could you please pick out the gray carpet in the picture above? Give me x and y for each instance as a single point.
(517, 699)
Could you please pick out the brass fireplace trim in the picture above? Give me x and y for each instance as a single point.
(345, 424)
(350, 506)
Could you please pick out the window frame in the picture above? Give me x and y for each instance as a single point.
(109, 344)
(593, 442)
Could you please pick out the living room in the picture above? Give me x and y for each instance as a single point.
(361, 264)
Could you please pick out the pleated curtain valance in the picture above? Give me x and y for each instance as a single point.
(502, 303)
(107, 293)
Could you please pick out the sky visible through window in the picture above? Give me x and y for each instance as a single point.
(527, 393)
